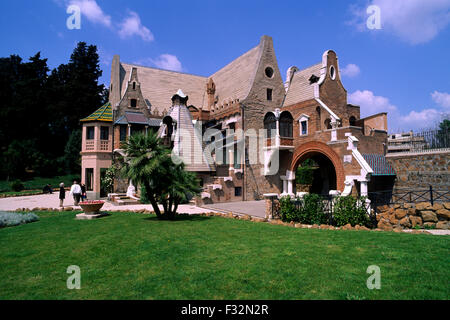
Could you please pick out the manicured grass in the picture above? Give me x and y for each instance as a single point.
(135, 256)
(38, 183)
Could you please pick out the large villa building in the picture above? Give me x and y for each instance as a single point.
(306, 114)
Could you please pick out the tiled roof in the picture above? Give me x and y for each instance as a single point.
(300, 89)
(234, 81)
(104, 113)
(379, 165)
(137, 118)
(158, 86)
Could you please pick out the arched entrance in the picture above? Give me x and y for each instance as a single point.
(328, 171)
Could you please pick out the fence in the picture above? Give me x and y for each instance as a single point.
(327, 205)
(408, 196)
(419, 142)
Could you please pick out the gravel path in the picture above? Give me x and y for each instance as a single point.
(52, 201)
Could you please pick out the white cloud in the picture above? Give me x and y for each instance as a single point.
(414, 21)
(167, 62)
(132, 26)
(92, 11)
(415, 120)
(370, 103)
(441, 98)
(351, 70)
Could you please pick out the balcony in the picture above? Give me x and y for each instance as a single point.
(97, 146)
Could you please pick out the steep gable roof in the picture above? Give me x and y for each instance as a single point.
(158, 85)
(300, 88)
(235, 80)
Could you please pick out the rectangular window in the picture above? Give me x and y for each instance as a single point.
(238, 191)
(123, 133)
(89, 179)
(90, 133)
(304, 128)
(104, 133)
(269, 94)
(133, 103)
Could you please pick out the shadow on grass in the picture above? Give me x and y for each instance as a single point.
(180, 217)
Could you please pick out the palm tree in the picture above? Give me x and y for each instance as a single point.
(182, 184)
(149, 164)
(143, 164)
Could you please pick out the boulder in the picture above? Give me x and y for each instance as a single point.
(68, 209)
(400, 213)
(437, 206)
(423, 205)
(383, 208)
(230, 215)
(407, 205)
(298, 225)
(429, 225)
(405, 222)
(324, 226)
(364, 228)
(413, 212)
(446, 205)
(442, 225)
(415, 221)
(348, 226)
(315, 226)
(384, 225)
(392, 219)
(429, 216)
(396, 206)
(398, 229)
(443, 213)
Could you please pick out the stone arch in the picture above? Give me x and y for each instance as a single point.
(304, 150)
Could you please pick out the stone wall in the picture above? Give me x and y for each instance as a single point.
(420, 170)
(409, 215)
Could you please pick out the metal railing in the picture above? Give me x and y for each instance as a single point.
(420, 141)
(388, 197)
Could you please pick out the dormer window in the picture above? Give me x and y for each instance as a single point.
(134, 85)
(133, 103)
(313, 79)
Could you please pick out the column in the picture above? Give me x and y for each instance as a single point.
(363, 188)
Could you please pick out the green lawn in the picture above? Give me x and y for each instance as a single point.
(135, 256)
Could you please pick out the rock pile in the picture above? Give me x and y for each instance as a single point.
(410, 215)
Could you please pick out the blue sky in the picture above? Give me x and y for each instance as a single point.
(402, 68)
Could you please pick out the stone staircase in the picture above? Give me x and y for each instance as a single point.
(221, 188)
(121, 199)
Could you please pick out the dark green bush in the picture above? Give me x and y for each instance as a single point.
(350, 210)
(288, 212)
(309, 210)
(17, 185)
(312, 211)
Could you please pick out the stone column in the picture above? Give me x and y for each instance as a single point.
(363, 188)
(129, 130)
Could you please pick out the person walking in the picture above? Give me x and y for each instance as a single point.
(75, 191)
(83, 192)
(62, 194)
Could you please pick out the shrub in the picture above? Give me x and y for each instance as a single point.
(288, 212)
(9, 219)
(17, 185)
(350, 210)
(312, 211)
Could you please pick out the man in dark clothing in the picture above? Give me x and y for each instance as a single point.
(62, 194)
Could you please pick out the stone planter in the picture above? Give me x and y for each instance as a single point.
(91, 207)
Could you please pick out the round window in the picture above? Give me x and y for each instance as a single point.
(332, 73)
(269, 72)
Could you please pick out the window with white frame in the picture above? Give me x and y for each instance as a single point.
(303, 124)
